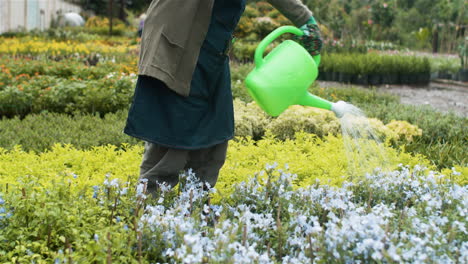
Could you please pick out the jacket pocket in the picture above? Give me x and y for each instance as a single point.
(168, 53)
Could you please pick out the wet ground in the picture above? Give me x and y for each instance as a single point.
(444, 96)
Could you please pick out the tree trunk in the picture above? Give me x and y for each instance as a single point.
(122, 15)
(110, 16)
(435, 41)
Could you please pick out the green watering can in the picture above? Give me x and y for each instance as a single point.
(281, 79)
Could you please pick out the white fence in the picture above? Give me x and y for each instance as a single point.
(31, 14)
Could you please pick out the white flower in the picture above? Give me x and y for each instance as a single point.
(169, 252)
(393, 253)
(272, 166)
(455, 172)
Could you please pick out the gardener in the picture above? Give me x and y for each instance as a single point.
(182, 107)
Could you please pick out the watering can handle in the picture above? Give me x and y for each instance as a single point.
(272, 37)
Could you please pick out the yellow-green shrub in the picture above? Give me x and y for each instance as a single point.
(458, 171)
(405, 130)
(98, 21)
(299, 118)
(65, 161)
(308, 156)
(368, 127)
(250, 119)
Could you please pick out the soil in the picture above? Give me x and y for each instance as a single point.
(444, 96)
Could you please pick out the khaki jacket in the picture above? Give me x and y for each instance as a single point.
(174, 32)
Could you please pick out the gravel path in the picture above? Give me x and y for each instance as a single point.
(443, 96)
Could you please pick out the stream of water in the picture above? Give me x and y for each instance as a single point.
(364, 148)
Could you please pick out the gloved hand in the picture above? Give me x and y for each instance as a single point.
(311, 40)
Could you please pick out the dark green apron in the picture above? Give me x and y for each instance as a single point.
(204, 118)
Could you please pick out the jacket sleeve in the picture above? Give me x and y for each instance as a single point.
(294, 10)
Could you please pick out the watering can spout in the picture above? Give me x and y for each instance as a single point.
(339, 108)
(311, 100)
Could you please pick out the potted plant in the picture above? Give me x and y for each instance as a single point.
(328, 67)
(447, 70)
(424, 76)
(415, 70)
(334, 74)
(324, 62)
(463, 53)
(390, 74)
(405, 69)
(376, 69)
(345, 68)
(362, 70)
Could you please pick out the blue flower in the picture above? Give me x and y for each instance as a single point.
(95, 191)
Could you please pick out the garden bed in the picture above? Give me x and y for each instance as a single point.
(286, 194)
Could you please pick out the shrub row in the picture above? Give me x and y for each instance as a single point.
(43, 47)
(252, 122)
(374, 69)
(17, 70)
(308, 156)
(41, 131)
(48, 93)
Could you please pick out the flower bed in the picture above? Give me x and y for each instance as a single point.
(32, 46)
(14, 70)
(397, 216)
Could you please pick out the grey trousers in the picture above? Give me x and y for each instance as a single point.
(163, 165)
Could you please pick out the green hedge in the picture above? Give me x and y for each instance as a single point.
(374, 69)
(39, 132)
